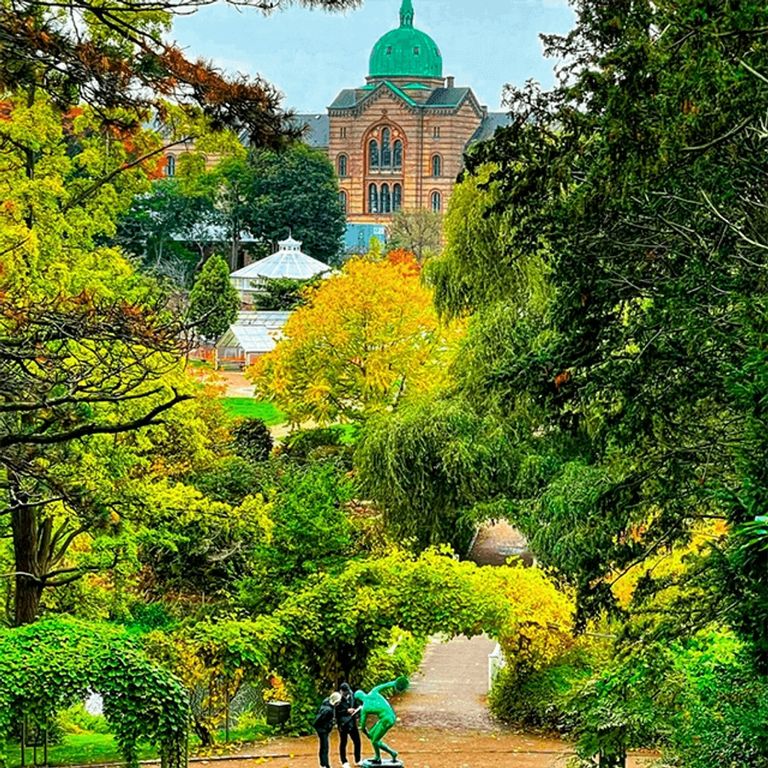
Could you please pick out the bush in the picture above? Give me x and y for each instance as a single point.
(717, 717)
(252, 439)
(320, 443)
(402, 655)
(230, 480)
(539, 698)
(310, 533)
(77, 719)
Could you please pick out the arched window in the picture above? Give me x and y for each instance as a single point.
(437, 202)
(373, 153)
(343, 200)
(373, 199)
(386, 149)
(437, 165)
(341, 165)
(386, 200)
(170, 165)
(397, 197)
(397, 154)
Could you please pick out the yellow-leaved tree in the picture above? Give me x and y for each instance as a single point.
(364, 338)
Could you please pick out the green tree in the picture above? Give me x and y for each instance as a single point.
(168, 228)
(630, 180)
(427, 466)
(213, 300)
(281, 294)
(87, 348)
(295, 191)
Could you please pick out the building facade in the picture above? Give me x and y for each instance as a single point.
(398, 141)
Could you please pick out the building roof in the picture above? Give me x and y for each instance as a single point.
(487, 128)
(345, 100)
(447, 97)
(439, 98)
(406, 51)
(255, 332)
(316, 129)
(288, 262)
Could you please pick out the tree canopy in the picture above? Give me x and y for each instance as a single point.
(80, 52)
(213, 300)
(362, 340)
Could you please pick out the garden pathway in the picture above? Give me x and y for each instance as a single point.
(449, 691)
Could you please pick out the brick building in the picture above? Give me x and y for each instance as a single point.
(398, 141)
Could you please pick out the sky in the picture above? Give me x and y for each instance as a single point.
(312, 55)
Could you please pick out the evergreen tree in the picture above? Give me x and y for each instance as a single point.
(213, 301)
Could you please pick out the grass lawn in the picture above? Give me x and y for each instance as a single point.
(94, 748)
(247, 407)
(77, 749)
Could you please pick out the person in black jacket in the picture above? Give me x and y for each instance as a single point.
(346, 719)
(324, 725)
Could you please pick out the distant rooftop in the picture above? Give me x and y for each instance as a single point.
(287, 262)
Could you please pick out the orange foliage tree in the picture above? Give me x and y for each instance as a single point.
(364, 339)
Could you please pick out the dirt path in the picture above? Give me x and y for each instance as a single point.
(443, 722)
(450, 689)
(429, 748)
(236, 384)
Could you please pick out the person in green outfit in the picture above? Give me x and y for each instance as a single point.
(374, 703)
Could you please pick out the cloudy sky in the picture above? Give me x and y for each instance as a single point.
(311, 55)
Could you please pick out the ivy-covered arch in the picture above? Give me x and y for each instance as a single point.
(53, 664)
(340, 620)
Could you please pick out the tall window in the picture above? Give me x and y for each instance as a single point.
(397, 197)
(343, 200)
(386, 149)
(386, 200)
(436, 132)
(437, 165)
(373, 153)
(437, 202)
(343, 132)
(373, 199)
(170, 165)
(397, 154)
(341, 164)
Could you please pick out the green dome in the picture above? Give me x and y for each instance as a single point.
(406, 51)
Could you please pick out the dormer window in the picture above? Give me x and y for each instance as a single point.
(389, 50)
(416, 51)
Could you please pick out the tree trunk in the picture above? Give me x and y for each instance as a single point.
(29, 586)
(203, 732)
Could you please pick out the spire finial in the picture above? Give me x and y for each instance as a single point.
(406, 14)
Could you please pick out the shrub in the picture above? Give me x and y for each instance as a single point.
(539, 698)
(717, 717)
(401, 655)
(77, 719)
(320, 443)
(310, 533)
(230, 480)
(252, 439)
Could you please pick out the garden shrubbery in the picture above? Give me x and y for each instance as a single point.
(540, 698)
